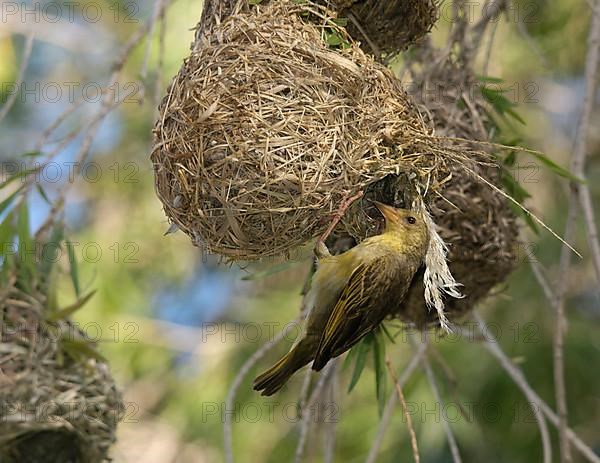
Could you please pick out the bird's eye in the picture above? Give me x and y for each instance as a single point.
(411, 220)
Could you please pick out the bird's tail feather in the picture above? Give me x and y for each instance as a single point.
(275, 377)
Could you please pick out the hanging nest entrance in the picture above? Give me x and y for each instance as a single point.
(266, 129)
(55, 407)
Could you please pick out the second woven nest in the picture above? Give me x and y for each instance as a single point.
(267, 128)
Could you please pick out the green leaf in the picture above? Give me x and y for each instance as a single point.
(80, 349)
(73, 267)
(17, 176)
(526, 217)
(362, 349)
(334, 39)
(27, 248)
(48, 256)
(380, 370)
(514, 188)
(343, 22)
(510, 159)
(8, 201)
(52, 290)
(490, 79)
(561, 171)
(71, 309)
(350, 356)
(254, 2)
(500, 103)
(42, 193)
(7, 234)
(511, 112)
(387, 333)
(7, 242)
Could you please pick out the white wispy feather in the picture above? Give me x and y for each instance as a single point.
(437, 280)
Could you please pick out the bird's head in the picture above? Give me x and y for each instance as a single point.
(408, 224)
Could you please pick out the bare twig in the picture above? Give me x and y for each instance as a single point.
(20, 76)
(246, 367)
(581, 140)
(108, 104)
(306, 413)
(560, 329)
(356, 22)
(436, 393)
(577, 167)
(391, 403)
(585, 201)
(330, 425)
(491, 9)
(534, 400)
(57, 122)
(543, 282)
(409, 423)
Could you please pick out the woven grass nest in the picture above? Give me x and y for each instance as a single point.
(54, 407)
(387, 26)
(265, 130)
(476, 222)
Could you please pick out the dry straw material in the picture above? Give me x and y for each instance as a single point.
(266, 129)
(54, 407)
(387, 26)
(476, 222)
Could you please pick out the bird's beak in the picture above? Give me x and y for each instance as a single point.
(390, 213)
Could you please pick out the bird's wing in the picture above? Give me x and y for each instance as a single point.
(364, 302)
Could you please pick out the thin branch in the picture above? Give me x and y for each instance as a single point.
(535, 401)
(391, 403)
(20, 76)
(543, 282)
(57, 122)
(409, 423)
(246, 367)
(577, 167)
(436, 393)
(306, 413)
(329, 435)
(374, 47)
(491, 9)
(560, 330)
(581, 141)
(587, 209)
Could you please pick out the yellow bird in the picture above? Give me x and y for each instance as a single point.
(353, 292)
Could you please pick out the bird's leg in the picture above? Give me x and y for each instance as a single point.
(320, 247)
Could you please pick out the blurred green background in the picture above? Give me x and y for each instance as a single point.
(176, 326)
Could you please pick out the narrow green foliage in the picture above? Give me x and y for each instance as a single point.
(73, 267)
(26, 253)
(490, 79)
(502, 105)
(7, 241)
(50, 250)
(8, 202)
(71, 309)
(43, 194)
(80, 350)
(359, 351)
(387, 333)
(558, 170)
(380, 370)
(19, 175)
